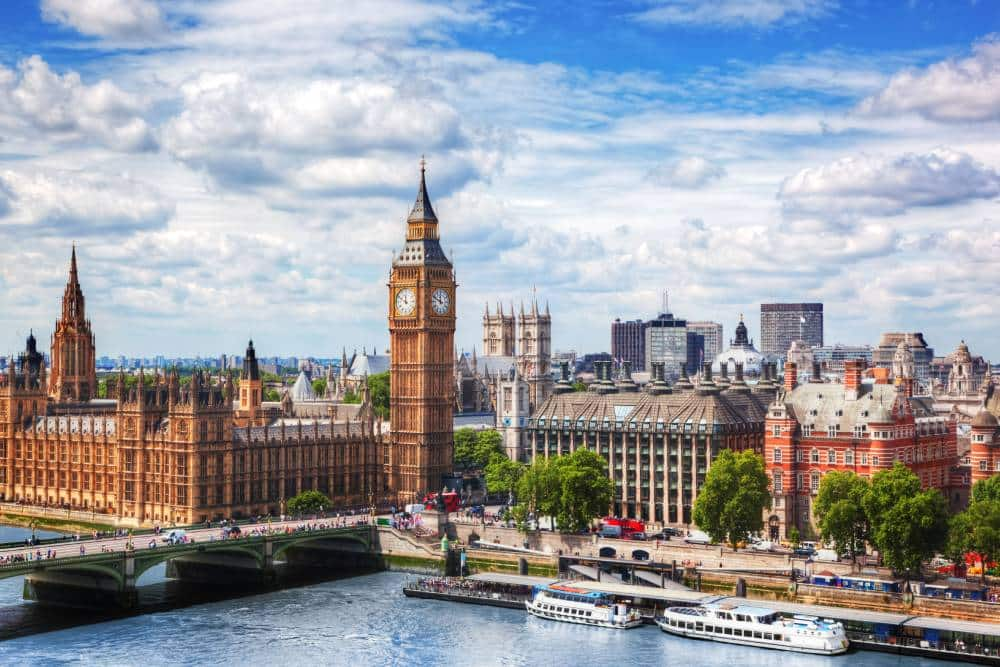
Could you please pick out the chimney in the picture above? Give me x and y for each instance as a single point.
(816, 376)
(791, 375)
(852, 378)
(706, 373)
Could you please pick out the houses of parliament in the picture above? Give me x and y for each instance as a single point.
(173, 451)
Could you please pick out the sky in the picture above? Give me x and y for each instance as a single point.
(237, 168)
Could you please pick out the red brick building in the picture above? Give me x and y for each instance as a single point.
(815, 427)
(984, 450)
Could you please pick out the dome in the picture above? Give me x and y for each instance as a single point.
(984, 419)
(961, 353)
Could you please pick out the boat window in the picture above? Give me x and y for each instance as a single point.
(756, 635)
(698, 627)
(768, 636)
(729, 631)
(737, 632)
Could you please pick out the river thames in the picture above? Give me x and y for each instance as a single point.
(362, 620)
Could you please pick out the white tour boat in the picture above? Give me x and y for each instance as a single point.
(559, 602)
(755, 626)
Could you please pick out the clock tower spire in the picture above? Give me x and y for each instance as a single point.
(422, 335)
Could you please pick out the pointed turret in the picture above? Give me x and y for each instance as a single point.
(422, 210)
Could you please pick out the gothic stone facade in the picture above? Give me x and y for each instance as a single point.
(165, 452)
(422, 339)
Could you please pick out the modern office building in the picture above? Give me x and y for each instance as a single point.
(712, 333)
(628, 342)
(659, 440)
(666, 342)
(832, 357)
(781, 323)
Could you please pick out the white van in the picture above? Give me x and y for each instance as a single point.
(826, 555)
(175, 536)
(698, 537)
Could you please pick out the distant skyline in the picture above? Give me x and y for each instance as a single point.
(237, 168)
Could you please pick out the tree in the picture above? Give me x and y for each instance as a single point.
(465, 444)
(907, 525)
(308, 502)
(839, 511)
(579, 386)
(272, 395)
(488, 443)
(536, 488)
(351, 397)
(378, 387)
(794, 537)
(319, 386)
(986, 489)
(977, 529)
(584, 489)
(731, 503)
(502, 474)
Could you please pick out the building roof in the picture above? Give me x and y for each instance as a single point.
(821, 405)
(984, 419)
(369, 364)
(730, 409)
(302, 390)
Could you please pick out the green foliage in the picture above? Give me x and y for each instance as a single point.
(839, 511)
(378, 387)
(579, 386)
(474, 449)
(308, 502)
(977, 529)
(986, 489)
(465, 442)
(271, 395)
(573, 489)
(102, 389)
(502, 474)
(319, 387)
(351, 397)
(270, 378)
(731, 503)
(794, 536)
(907, 525)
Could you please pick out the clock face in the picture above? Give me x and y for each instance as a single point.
(440, 301)
(406, 301)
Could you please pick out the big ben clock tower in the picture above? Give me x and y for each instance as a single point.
(422, 335)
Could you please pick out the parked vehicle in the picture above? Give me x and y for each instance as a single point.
(698, 537)
(763, 545)
(826, 555)
(804, 552)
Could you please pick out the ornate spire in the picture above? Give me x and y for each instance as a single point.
(73, 303)
(422, 210)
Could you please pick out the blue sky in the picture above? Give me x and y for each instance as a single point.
(245, 167)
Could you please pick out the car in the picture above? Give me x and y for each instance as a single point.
(697, 537)
(763, 545)
(804, 552)
(637, 536)
(175, 536)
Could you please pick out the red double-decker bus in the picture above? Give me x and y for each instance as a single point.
(452, 502)
(625, 527)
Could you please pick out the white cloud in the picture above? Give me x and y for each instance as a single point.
(242, 130)
(691, 172)
(128, 19)
(734, 13)
(957, 90)
(868, 185)
(64, 108)
(75, 204)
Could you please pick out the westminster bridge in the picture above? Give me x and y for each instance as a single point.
(103, 572)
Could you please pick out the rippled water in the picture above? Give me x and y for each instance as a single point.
(362, 620)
